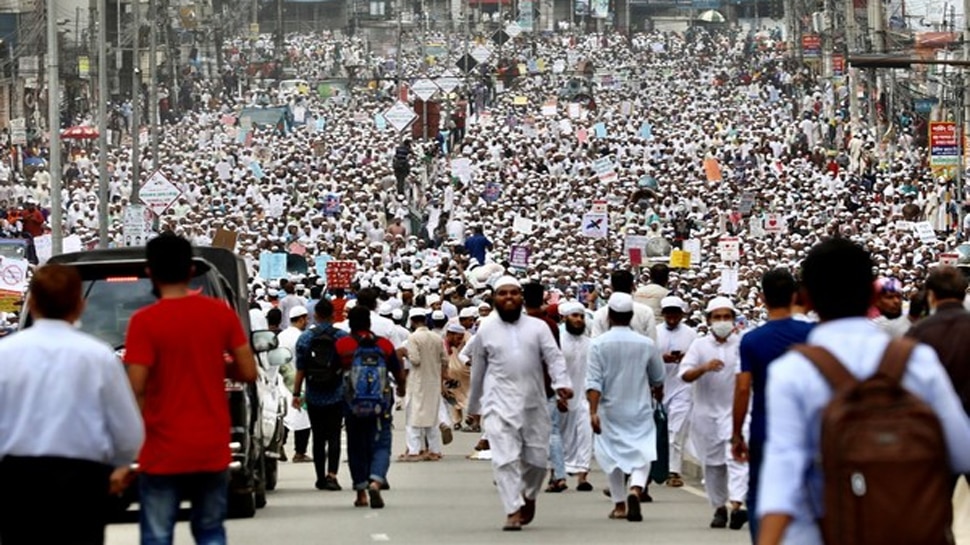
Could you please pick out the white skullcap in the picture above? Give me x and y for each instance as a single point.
(298, 312)
(438, 315)
(672, 301)
(455, 328)
(506, 281)
(571, 307)
(417, 313)
(719, 302)
(397, 314)
(620, 302)
(468, 312)
(385, 309)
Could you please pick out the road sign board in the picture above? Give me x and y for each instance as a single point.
(448, 81)
(424, 89)
(13, 274)
(136, 226)
(500, 37)
(400, 116)
(513, 29)
(159, 193)
(18, 131)
(466, 63)
(481, 54)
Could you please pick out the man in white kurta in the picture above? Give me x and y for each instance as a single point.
(623, 367)
(426, 352)
(577, 434)
(673, 339)
(643, 322)
(711, 364)
(508, 390)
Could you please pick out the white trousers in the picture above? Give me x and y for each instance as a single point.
(519, 456)
(724, 483)
(577, 439)
(416, 438)
(618, 483)
(678, 409)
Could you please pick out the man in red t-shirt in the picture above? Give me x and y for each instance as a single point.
(33, 220)
(368, 438)
(175, 353)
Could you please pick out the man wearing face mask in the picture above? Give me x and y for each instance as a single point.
(673, 339)
(710, 364)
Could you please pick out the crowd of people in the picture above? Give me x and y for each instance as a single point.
(507, 267)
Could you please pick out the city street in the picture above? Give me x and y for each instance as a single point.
(453, 502)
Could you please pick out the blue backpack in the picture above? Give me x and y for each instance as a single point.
(366, 380)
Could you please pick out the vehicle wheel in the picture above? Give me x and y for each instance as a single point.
(242, 505)
(272, 469)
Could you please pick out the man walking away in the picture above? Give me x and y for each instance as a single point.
(365, 355)
(837, 279)
(324, 399)
(67, 419)
(643, 322)
(758, 349)
(623, 367)
(508, 390)
(175, 353)
(426, 352)
(948, 328)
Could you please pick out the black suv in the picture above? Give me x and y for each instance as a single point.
(115, 285)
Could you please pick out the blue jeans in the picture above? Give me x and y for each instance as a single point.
(755, 456)
(368, 449)
(160, 496)
(557, 458)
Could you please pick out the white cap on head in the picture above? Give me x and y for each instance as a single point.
(468, 312)
(506, 281)
(385, 309)
(620, 302)
(397, 314)
(571, 307)
(297, 312)
(673, 301)
(438, 315)
(455, 328)
(417, 313)
(720, 302)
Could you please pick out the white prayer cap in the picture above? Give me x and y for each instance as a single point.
(620, 302)
(720, 302)
(468, 312)
(385, 309)
(438, 315)
(432, 299)
(506, 281)
(417, 313)
(672, 302)
(298, 312)
(571, 307)
(455, 328)
(397, 314)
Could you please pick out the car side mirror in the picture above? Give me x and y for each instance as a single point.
(264, 340)
(279, 356)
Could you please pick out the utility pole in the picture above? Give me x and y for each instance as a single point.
(877, 31)
(135, 101)
(851, 33)
(54, 128)
(153, 78)
(961, 127)
(102, 124)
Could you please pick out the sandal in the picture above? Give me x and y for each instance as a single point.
(360, 503)
(617, 515)
(557, 486)
(675, 481)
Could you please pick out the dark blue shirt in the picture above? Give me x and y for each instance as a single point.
(476, 246)
(759, 348)
(315, 396)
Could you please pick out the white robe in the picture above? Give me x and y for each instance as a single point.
(623, 365)
(710, 422)
(577, 433)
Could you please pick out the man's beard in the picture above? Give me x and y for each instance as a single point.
(510, 316)
(575, 330)
(892, 315)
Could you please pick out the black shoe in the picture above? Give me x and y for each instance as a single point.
(633, 513)
(720, 519)
(738, 518)
(645, 496)
(385, 485)
(330, 483)
(376, 501)
(584, 487)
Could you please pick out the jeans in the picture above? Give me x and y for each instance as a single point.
(369, 449)
(160, 496)
(325, 421)
(557, 458)
(755, 456)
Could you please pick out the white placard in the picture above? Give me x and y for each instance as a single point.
(693, 246)
(924, 232)
(159, 193)
(730, 249)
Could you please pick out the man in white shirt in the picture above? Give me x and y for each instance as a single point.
(299, 319)
(643, 322)
(673, 339)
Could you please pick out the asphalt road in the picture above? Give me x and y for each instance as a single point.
(453, 502)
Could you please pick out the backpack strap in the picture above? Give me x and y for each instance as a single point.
(834, 372)
(895, 358)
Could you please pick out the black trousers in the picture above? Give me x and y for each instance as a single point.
(325, 421)
(53, 500)
(301, 439)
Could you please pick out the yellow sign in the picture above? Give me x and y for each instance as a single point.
(83, 67)
(520, 100)
(679, 259)
(254, 30)
(10, 301)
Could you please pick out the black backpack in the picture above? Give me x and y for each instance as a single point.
(321, 373)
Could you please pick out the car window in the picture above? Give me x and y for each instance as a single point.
(111, 301)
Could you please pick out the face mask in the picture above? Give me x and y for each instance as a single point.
(722, 329)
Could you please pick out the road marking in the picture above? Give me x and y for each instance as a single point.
(695, 491)
(380, 537)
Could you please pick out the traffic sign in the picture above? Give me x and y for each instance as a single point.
(159, 193)
(513, 29)
(424, 89)
(466, 63)
(400, 116)
(481, 54)
(136, 227)
(18, 131)
(13, 274)
(448, 81)
(500, 37)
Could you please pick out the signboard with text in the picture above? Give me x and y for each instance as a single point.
(944, 151)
